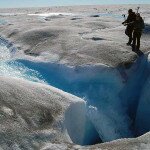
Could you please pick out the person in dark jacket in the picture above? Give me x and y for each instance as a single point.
(138, 26)
(129, 29)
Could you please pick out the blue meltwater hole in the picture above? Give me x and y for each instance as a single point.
(112, 109)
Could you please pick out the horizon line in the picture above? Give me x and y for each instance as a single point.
(75, 5)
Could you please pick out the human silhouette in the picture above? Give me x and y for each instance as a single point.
(129, 29)
(138, 26)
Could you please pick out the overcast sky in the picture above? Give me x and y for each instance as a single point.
(40, 3)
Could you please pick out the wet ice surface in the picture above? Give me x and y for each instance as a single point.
(51, 14)
(3, 22)
(10, 67)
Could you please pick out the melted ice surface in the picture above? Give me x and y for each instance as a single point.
(10, 67)
(51, 14)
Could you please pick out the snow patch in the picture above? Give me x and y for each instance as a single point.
(51, 14)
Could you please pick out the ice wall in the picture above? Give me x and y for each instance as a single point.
(142, 122)
(99, 86)
(112, 101)
(131, 92)
(79, 127)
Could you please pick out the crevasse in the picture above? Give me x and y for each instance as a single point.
(116, 98)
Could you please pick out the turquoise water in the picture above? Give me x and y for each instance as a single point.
(3, 22)
(9, 67)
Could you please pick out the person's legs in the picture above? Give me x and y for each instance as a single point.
(129, 33)
(138, 40)
(130, 36)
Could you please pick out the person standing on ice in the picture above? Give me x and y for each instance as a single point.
(129, 29)
(138, 26)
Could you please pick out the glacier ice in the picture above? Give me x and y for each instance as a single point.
(142, 121)
(116, 99)
(79, 126)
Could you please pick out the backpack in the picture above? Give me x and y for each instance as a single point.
(142, 23)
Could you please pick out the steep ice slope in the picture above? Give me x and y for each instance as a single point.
(142, 123)
(131, 92)
(32, 114)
